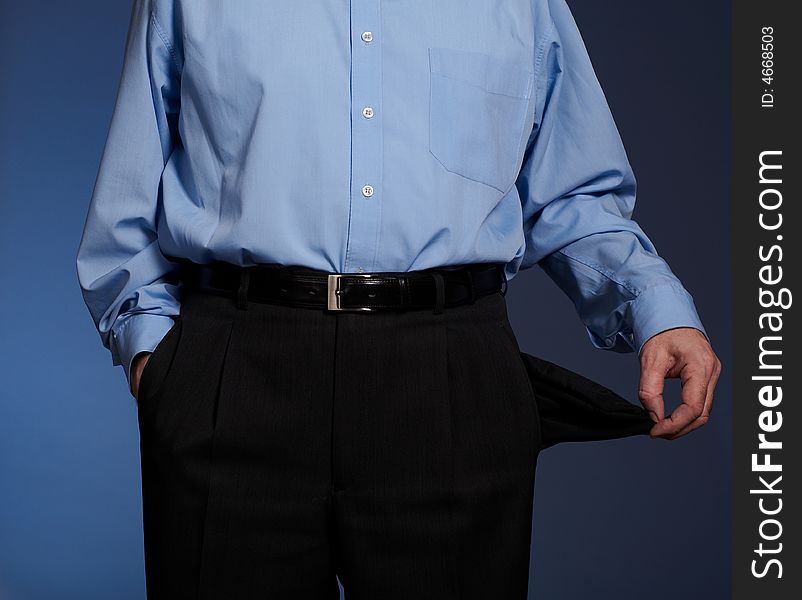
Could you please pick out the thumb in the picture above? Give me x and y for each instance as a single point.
(650, 390)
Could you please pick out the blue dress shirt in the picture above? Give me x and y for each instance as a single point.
(365, 136)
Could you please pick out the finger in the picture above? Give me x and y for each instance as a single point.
(650, 389)
(708, 407)
(695, 424)
(694, 391)
(711, 387)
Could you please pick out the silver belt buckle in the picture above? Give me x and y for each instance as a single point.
(334, 291)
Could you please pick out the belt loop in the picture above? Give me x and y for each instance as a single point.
(440, 292)
(242, 291)
(503, 276)
(471, 285)
(403, 288)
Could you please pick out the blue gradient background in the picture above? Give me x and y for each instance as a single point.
(624, 519)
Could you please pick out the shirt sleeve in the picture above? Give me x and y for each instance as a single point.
(578, 193)
(126, 282)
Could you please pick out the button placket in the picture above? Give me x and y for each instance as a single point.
(366, 136)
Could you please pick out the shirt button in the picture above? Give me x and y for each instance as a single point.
(367, 191)
(367, 112)
(367, 36)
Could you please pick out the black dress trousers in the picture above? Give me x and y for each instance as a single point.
(282, 447)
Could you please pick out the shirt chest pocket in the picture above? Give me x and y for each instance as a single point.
(477, 109)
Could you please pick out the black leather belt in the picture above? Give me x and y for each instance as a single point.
(299, 286)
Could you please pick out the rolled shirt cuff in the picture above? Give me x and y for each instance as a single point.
(140, 332)
(659, 308)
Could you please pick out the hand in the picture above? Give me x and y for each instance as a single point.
(682, 352)
(138, 365)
